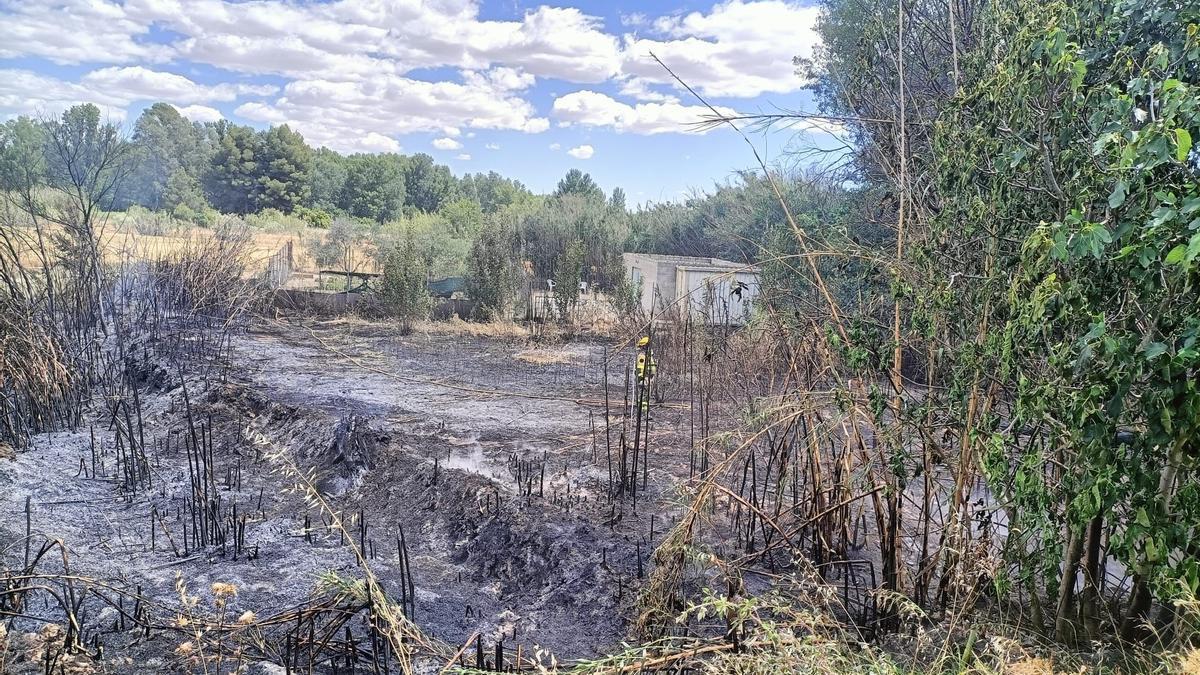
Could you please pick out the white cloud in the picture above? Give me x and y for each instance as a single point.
(328, 113)
(640, 89)
(138, 83)
(492, 146)
(501, 79)
(23, 92)
(446, 144)
(353, 70)
(200, 113)
(536, 125)
(463, 156)
(366, 143)
(738, 49)
(593, 109)
(261, 112)
(556, 146)
(76, 31)
(582, 152)
(634, 19)
(353, 38)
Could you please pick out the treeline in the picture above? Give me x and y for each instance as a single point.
(188, 168)
(370, 204)
(373, 204)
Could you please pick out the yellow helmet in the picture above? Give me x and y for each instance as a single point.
(644, 341)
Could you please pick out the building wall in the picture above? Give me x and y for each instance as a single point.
(664, 287)
(677, 283)
(642, 270)
(709, 293)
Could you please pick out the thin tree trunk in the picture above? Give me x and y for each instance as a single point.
(1089, 601)
(1063, 626)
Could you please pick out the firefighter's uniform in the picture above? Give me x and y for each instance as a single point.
(646, 368)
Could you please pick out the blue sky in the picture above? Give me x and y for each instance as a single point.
(526, 89)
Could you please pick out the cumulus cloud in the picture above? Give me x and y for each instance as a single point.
(138, 83)
(200, 113)
(642, 90)
(353, 72)
(327, 112)
(374, 142)
(463, 156)
(738, 49)
(446, 143)
(500, 79)
(556, 146)
(582, 152)
(492, 146)
(77, 31)
(593, 109)
(24, 92)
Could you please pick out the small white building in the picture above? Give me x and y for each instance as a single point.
(720, 291)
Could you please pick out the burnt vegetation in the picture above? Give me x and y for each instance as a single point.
(956, 432)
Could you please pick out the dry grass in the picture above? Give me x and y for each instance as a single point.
(121, 241)
(456, 326)
(1190, 662)
(26, 653)
(453, 327)
(1031, 667)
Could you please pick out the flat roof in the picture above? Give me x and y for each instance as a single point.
(694, 260)
(723, 269)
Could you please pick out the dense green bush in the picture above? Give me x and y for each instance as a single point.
(403, 291)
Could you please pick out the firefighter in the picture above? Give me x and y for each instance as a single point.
(646, 368)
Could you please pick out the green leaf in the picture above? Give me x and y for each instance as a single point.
(1117, 198)
(1183, 144)
(1143, 518)
(1177, 254)
(1079, 70)
(1154, 349)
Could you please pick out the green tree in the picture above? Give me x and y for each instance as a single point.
(342, 247)
(493, 270)
(284, 170)
(427, 185)
(464, 217)
(1049, 180)
(579, 183)
(443, 254)
(23, 145)
(1097, 259)
(171, 154)
(231, 183)
(617, 201)
(328, 180)
(567, 275)
(494, 192)
(183, 189)
(549, 230)
(403, 291)
(374, 187)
